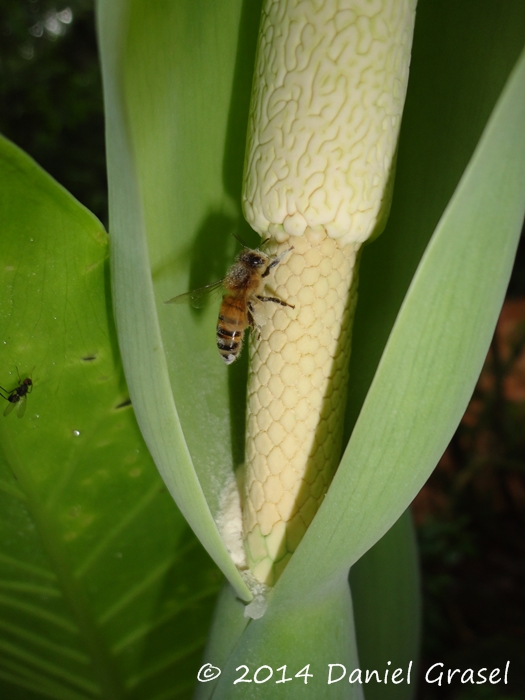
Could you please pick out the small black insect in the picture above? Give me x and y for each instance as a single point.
(17, 396)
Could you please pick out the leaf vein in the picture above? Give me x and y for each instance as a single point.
(44, 642)
(148, 581)
(12, 490)
(40, 684)
(144, 629)
(49, 667)
(23, 587)
(39, 613)
(165, 663)
(115, 531)
(30, 568)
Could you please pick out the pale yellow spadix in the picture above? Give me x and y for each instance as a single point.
(329, 88)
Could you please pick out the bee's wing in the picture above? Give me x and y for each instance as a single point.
(198, 296)
(21, 406)
(9, 407)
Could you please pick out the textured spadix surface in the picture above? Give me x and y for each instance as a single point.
(297, 385)
(328, 94)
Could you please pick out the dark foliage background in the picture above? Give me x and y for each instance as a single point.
(470, 516)
(470, 519)
(51, 93)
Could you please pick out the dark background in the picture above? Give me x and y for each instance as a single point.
(51, 93)
(470, 516)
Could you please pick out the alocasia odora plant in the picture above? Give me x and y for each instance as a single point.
(422, 384)
(177, 81)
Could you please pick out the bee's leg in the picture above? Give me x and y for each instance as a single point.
(276, 261)
(276, 301)
(251, 321)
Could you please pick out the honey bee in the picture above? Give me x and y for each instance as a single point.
(243, 285)
(17, 396)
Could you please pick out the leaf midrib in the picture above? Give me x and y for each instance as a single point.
(104, 669)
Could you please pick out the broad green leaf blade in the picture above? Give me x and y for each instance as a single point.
(97, 566)
(435, 352)
(170, 79)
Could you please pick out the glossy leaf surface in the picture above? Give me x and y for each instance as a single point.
(97, 566)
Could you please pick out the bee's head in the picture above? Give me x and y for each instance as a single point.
(253, 258)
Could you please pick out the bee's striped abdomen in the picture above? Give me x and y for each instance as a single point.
(230, 327)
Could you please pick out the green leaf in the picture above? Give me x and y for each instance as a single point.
(435, 352)
(385, 590)
(97, 566)
(173, 84)
(462, 56)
